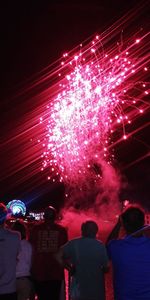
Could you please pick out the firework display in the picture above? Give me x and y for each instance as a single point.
(100, 89)
(75, 111)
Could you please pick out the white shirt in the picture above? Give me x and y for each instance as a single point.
(24, 259)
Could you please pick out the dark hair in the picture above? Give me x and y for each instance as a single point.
(50, 213)
(3, 213)
(20, 227)
(133, 218)
(89, 229)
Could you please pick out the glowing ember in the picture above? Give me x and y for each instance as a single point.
(95, 95)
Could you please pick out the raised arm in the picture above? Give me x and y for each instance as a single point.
(115, 231)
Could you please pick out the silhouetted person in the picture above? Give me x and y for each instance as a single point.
(130, 257)
(23, 268)
(46, 239)
(9, 249)
(86, 258)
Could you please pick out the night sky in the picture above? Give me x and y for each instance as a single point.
(34, 34)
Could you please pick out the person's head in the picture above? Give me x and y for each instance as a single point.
(3, 213)
(20, 227)
(50, 214)
(89, 229)
(133, 219)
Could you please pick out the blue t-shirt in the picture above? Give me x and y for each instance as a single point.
(131, 268)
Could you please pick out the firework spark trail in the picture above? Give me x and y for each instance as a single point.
(97, 91)
(125, 22)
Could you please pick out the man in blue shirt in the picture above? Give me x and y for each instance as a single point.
(89, 259)
(130, 257)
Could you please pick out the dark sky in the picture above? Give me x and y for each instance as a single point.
(33, 35)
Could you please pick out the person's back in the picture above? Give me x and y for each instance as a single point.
(131, 268)
(23, 267)
(9, 249)
(24, 259)
(131, 259)
(89, 259)
(46, 239)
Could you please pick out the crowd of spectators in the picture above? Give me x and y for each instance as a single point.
(33, 260)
